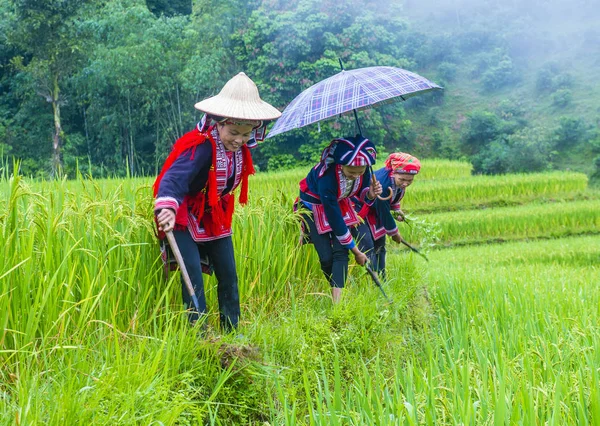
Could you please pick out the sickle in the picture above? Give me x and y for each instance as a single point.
(403, 241)
(375, 278)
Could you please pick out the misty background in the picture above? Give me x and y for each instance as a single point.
(108, 86)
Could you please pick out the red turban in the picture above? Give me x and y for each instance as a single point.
(401, 162)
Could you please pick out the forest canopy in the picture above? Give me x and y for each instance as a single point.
(108, 86)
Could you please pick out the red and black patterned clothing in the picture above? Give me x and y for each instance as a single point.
(379, 215)
(379, 221)
(197, 183)
(328, 196)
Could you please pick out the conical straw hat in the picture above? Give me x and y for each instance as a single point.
(239, 99)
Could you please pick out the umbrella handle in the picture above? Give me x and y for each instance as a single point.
(388, 197)
(374, 181)
(184, 272)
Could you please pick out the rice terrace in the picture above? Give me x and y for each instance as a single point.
(499, 328)
(299, 213)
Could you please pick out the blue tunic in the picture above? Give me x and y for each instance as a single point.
(379, 216)
(329, 199)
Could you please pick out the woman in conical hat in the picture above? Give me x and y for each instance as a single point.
(194, 192)
(342, 173)
(397, 174)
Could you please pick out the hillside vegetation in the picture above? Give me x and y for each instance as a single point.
(113, 83)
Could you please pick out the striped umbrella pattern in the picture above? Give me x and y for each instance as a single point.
(350, 90)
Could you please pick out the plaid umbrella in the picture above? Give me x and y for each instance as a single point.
(350, 90)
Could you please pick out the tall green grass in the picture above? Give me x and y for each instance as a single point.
(93, 333)
(516, 341)
(444, 169)
(510, 223)
(491, 191)
(285, 183)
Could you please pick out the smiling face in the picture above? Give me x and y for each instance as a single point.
(234, 136)
(402, 180)
(353, 172)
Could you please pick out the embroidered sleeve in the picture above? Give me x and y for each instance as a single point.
(175, 184)
(364, 190)
(328, 193)
(396, 200)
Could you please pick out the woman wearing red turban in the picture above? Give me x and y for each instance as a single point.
(398, 173)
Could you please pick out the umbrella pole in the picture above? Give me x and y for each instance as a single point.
(357, 123)
(373, 178)
(355, 113)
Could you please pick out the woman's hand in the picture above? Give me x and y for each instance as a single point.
(375, 189)
(400, 217)
(166, 220)
(359, 256)
(397, 238)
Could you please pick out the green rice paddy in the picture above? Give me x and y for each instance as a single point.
(484, 333)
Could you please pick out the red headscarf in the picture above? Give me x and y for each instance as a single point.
(401, 162)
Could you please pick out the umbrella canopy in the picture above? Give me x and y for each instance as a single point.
(350, 90)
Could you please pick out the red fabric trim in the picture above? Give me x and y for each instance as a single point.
(187, 141)
(322, 223)
(364, 211)
(213, 196)
(247, 170)
(213, 211)
(303, 185)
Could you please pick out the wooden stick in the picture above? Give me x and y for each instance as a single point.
(184, 272)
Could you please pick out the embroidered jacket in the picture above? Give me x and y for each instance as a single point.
(379, 216)
(197, 182)
(328, 196)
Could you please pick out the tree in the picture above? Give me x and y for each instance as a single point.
(287, 46)
(570, 132)
(170, 7)
(46, 33)
(138, 89)
(482, 127)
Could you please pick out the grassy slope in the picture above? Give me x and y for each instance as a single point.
(559, 41)
(520, 321)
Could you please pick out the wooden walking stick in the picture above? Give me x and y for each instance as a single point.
(184, 272)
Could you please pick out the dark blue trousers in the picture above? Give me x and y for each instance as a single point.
(374, 249)
(220, 254)
(333, 256)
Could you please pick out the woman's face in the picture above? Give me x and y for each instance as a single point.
(234, 136)
(402, 180)
(353, 172)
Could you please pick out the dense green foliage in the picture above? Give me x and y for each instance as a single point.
(111, 84)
